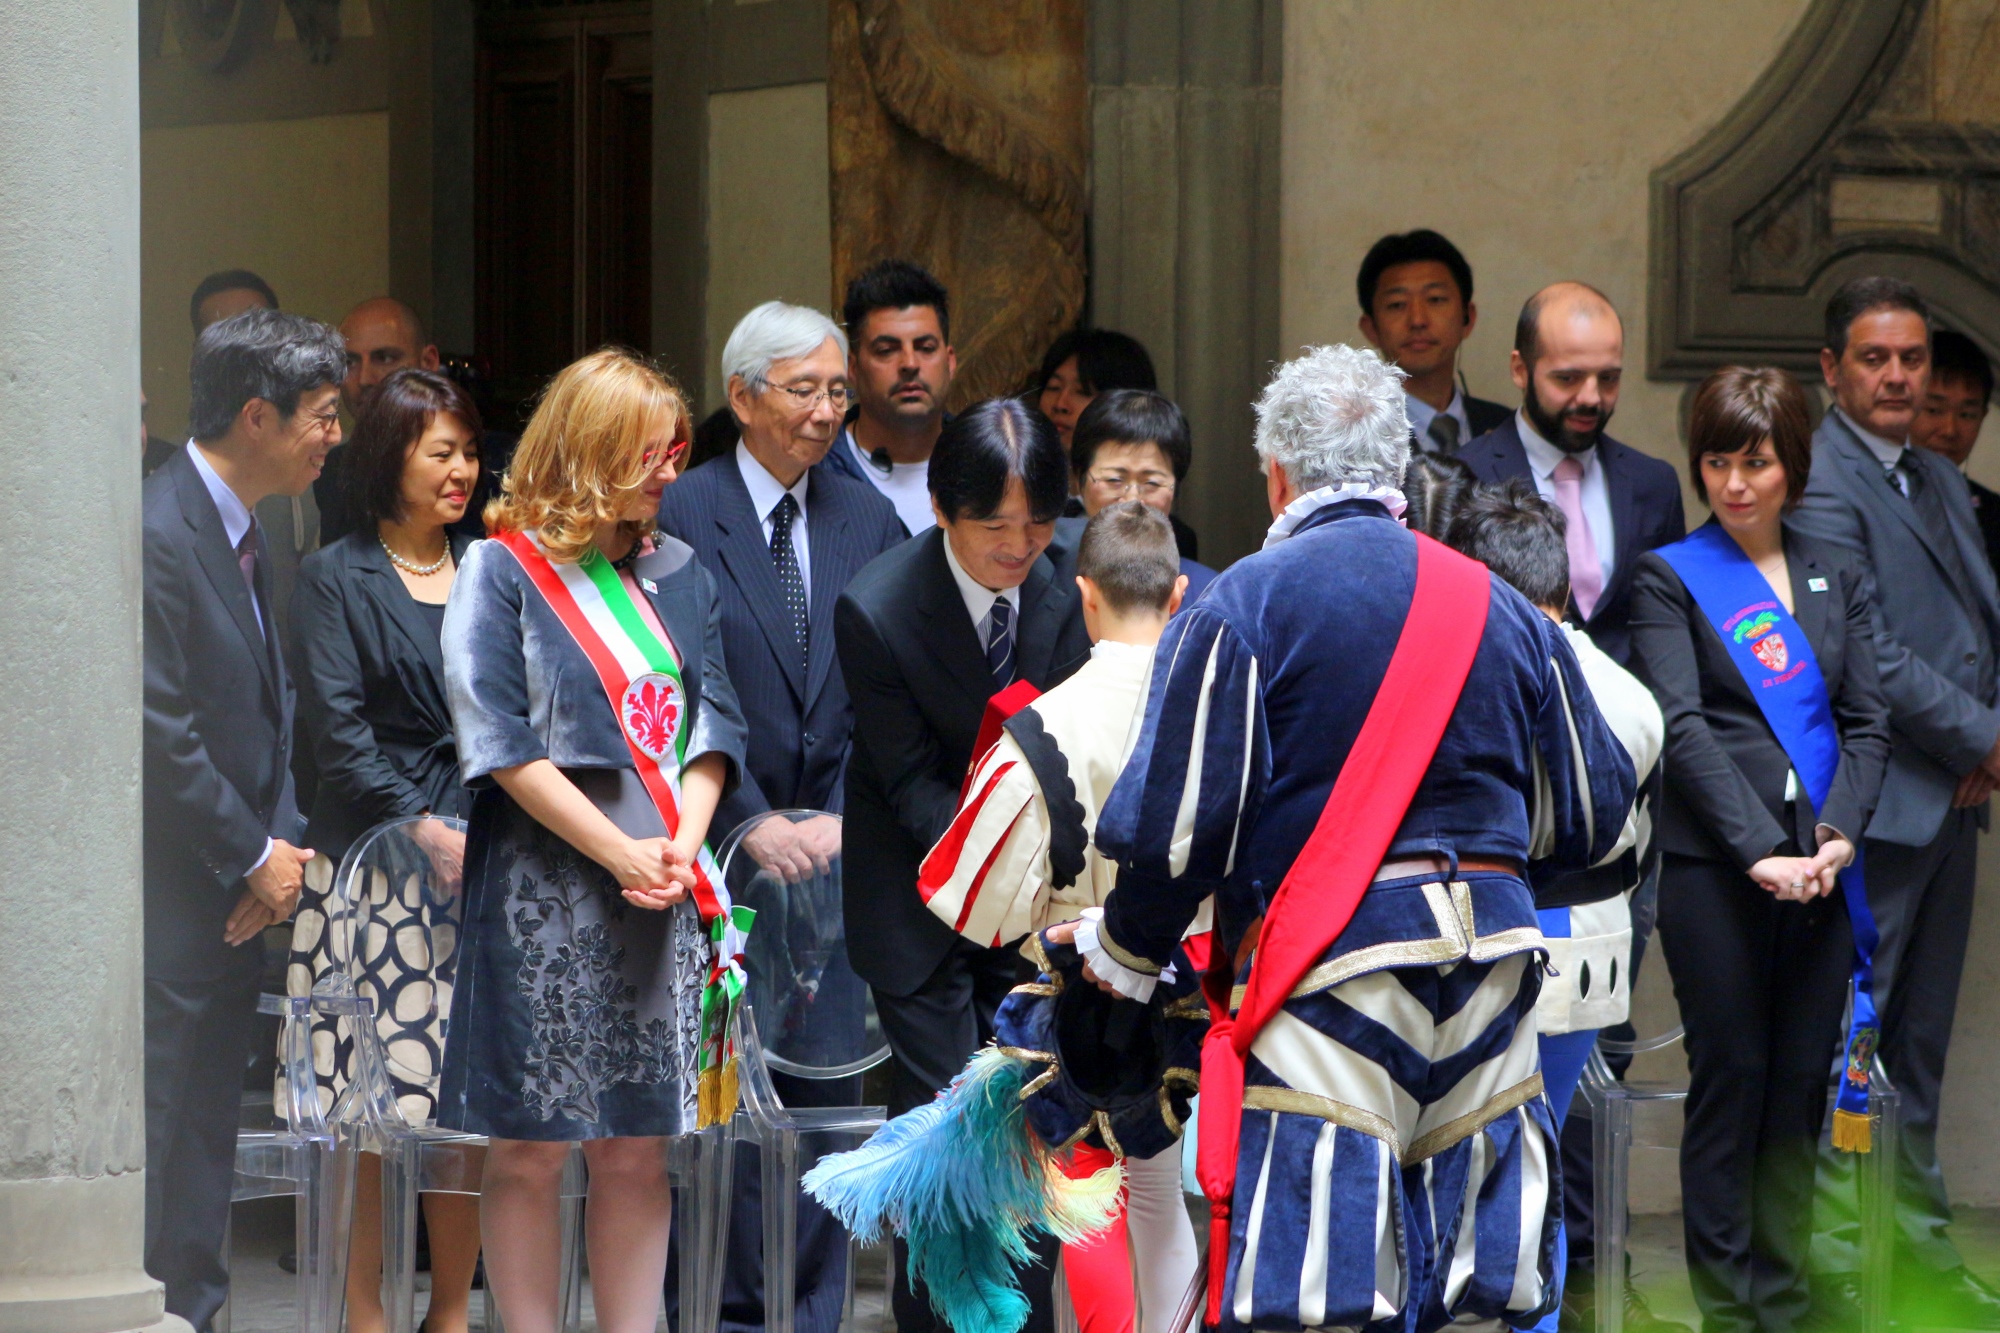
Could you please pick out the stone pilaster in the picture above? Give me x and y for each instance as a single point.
(72, 1140)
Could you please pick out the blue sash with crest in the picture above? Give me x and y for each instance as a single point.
(1777, 663)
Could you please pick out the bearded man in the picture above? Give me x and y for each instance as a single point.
(1569, 354)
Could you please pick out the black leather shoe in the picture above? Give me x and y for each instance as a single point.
(1951, 1299)
(1836, 1302)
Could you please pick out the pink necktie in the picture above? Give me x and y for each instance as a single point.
(1586, 575)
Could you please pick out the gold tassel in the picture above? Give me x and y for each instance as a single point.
(1851, 1132)
(716, 1095)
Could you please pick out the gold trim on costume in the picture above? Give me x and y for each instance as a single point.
(1188, 1006)
(1103, 1122)
(1037, 988)
(1296, 1102)
(1173, 1121)
(1144, 966)
(1465, 1126)
(1042, 965)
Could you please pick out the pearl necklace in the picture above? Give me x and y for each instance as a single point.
(410, 566)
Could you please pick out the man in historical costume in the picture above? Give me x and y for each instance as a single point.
(1358, 741)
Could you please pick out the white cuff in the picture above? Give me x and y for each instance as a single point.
(268, 845)
(1133, 985)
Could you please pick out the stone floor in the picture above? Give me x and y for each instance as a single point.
(264, 1301)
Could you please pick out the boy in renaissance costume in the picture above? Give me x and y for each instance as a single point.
(1018, 859)
(1355, 742)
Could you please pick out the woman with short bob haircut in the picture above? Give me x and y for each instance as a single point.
(598, 729)
(1757, 641)
(368, 618)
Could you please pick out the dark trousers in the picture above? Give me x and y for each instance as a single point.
(932, 1032)
(1761, 985)
(197, 1040)
(1922, 900)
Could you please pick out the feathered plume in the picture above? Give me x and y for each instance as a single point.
(964, 1181)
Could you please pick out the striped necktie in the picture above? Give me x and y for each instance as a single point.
(1000, 642)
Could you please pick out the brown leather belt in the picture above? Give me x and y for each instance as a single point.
(1428, 865)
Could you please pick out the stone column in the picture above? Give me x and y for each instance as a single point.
(72, 1108)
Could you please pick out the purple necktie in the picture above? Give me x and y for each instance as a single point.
(246, 559)
(1586, 574)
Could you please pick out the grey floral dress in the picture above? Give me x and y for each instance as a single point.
(576, 1015)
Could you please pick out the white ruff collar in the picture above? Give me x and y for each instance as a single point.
(1299, 510)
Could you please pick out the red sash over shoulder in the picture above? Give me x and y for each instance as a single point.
(1323, 888)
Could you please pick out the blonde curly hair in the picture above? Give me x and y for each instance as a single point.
(582, 455)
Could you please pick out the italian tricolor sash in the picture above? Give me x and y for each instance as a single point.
(643, 682)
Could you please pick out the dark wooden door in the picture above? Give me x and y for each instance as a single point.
(563, 181)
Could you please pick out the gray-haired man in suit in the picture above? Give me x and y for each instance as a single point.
(1906, 515)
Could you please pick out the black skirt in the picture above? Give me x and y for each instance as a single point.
(576, 1015)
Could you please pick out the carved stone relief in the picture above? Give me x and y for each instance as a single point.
(1872, 145)
(959, 137)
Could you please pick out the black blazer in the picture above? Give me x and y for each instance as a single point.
(218, 730)
(1485, 415)
(799, 716)
(1725, 771)
(372, 687)
(1986, 508)
(1645, 513)
(919, 680)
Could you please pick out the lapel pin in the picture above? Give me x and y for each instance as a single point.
(1816, 585)
(653, 587)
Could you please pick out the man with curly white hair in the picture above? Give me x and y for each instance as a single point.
(1359, 742)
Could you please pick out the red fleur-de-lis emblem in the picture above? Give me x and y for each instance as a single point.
(652, 714)
(1770, 650)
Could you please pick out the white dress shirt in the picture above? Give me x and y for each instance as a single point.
(765, 493)
(979, 598)
(907, 485)
(1421, 414)
(1595, 493)
(235, 522)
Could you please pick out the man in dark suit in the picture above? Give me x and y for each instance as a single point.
(927, 634)
(900, 367)
(1569, 355)
(1907, 518)
(220, 813)
(1949, 418)
(1415, 290)
(783, 534)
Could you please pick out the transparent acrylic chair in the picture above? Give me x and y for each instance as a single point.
(805, 1014)
(393, 930)
(1629, 1115)
(291, 1150)
(392, 944)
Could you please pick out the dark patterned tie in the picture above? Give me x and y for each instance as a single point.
(246, 560)
(1000, 643)
(790, 581)
(1931, 512)
(1443, 431)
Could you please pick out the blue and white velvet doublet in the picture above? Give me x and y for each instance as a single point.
(1396, 1163)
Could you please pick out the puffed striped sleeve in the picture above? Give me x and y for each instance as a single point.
(989, 874)
(1189, 793)
(1584, 779)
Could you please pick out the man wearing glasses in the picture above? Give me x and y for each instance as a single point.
(1134, 444)
(900, 368)
(221, 816)
(783, 532)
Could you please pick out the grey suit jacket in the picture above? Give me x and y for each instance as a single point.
(1935, 627)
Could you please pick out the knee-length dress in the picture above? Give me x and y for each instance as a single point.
(576, 1014)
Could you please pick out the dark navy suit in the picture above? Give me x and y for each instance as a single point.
(218, 750)
(1645, 513)
(800, 720)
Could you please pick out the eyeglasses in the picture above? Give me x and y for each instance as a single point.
(1147, 485)
(328, 420)
(655, 457)
(805, 398)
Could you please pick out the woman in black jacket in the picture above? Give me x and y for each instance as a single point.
(368, 613)
(1755, 833)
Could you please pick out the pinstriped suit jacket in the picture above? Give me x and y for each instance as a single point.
(799, 718)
